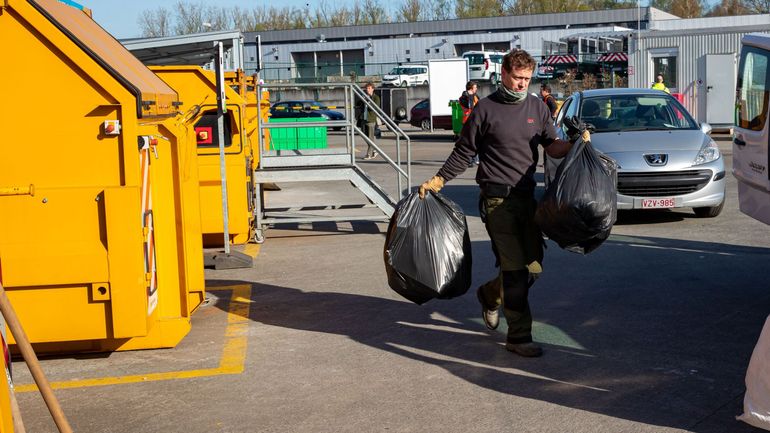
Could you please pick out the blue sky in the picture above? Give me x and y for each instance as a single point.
(120, 17)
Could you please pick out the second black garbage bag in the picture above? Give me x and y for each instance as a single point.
(579, 206)
(428, 249)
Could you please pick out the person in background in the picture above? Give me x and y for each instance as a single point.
(505, 130)
(367, 118)
(548, 98)
(468, 101)
(658, 84)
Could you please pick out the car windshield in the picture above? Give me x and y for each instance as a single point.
(399, 71)
(635, 113)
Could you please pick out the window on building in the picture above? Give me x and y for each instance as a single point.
(438, 50)
(427, 51)
(408, 52)
(664, 62)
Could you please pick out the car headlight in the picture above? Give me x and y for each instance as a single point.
(709, 152)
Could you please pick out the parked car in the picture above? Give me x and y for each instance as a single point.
(407, 75)
(420, 117)
(484, 65)
(284, 109)
(666, 160)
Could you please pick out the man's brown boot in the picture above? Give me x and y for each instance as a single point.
(528, 350)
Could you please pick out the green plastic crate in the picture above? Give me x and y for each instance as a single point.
(311, 137)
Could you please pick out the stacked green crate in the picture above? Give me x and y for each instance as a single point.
(310, 137)
(313, 137)
(283, 138)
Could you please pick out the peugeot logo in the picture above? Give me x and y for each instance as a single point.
(656, 158)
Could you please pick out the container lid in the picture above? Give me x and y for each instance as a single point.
(154, 97)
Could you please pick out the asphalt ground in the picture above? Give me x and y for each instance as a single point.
(652, 332)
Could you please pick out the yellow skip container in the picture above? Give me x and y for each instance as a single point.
(100, 237)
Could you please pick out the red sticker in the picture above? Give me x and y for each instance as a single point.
(530, 120)
(204, 134)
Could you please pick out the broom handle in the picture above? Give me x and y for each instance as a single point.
(32, 363)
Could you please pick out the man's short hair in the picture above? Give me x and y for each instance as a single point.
(545, 87)
(469, 85)
(518, 59)
(368, 84)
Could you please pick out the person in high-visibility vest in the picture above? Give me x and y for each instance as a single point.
(658, 84)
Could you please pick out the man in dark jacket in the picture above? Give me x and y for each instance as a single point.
(367, 118)
(505, 129)
(550, 101)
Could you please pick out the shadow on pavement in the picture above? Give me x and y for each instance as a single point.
(666, 344)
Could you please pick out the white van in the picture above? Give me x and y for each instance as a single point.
(752, 130)
(407, 75)
(484, 65)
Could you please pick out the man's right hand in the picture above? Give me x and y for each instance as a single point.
(433, 184)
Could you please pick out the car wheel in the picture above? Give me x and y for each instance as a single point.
(425, 83)
(400, 113)
(709, 212)
(404, 84)
(425, 124)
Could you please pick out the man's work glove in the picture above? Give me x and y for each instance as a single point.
(433, 184)
(576, 129)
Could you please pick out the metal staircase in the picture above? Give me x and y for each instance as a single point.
(330, 164)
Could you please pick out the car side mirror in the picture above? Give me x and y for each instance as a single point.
(706, 128)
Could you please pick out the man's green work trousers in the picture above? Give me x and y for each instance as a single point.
(518, 246)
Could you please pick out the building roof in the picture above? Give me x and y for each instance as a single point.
(465, 25)
(193, 49)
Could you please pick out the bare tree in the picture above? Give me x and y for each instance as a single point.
(478, 8)
(374, 12)
(439, 9)
(155, 23)
(189, 18)
(728, 8)
(217, 18)
(687, 8)
(242, 19)
(410, 11)
(758, 6)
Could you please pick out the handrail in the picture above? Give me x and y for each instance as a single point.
(352, 93)
(399, 132)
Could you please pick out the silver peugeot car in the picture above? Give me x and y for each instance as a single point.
(665, 159)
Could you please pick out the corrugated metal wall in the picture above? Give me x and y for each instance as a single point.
(380, 55)
(691, 62)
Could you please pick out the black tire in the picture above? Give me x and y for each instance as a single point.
(425, 124)
(404, 84)
(709, 212)
(425, 83)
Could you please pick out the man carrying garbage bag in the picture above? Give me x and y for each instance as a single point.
(505, 129)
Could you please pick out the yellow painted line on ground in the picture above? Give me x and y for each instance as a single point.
(251, 250)
(233, 354)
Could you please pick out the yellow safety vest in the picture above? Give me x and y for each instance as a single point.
(660, 86)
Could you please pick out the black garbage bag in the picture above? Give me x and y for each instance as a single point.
(428, 249)
(579, 206)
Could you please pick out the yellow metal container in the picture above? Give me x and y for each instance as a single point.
(246, 86)
(197, 90)
(100, 241)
